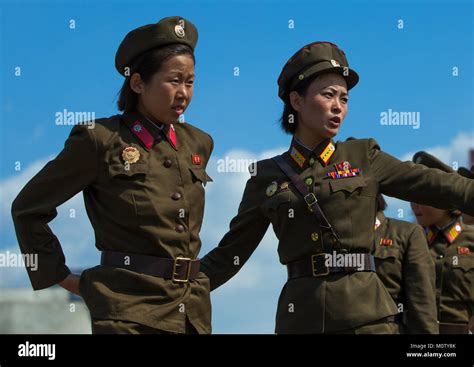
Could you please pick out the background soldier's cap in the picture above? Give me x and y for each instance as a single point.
(431, 162)
(314, 59)
(466, 172)
(170, 30)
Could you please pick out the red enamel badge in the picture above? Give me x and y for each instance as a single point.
(462, 250)
(385, 242)
(196, 159)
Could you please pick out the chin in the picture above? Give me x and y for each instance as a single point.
(331, 133)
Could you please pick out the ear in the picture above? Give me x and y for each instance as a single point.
(136, 83)
(295, 100)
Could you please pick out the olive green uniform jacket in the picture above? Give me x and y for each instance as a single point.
(404, 265)
(453, 252)
(153, 206)
(337, 301)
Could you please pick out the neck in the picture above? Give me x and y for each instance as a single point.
(442, 223)
(308, 137)
(148, 116)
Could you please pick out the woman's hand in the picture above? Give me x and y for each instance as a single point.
(71, 283)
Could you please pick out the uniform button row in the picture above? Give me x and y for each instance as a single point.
(179, 228)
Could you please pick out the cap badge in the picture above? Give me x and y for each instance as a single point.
(179, 29)
(334, 63)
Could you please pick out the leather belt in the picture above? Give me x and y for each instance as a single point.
(179, 270)
(315, 266)
(397, 319)
(445, 328)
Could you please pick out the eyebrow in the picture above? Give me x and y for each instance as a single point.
(176, 71)
(336, 91)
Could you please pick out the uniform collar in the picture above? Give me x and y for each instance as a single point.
(379, 219)
(450, 232)
(303, 157)
(148, 132)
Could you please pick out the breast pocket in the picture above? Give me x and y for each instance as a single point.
(464, 263)
(348, 186)
(130, 183)
(200, 175)
(135, 171)
(389, 253)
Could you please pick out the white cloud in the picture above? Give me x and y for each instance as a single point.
(455, 153)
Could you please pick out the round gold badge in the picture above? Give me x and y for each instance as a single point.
(272, 188)
(130, 155)
(179, 29)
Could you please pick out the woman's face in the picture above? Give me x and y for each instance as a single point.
(324, 107)
(428, 216)
(169, 91)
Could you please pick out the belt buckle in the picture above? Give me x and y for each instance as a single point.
(188, 270)
(310, 199)
(314, 269)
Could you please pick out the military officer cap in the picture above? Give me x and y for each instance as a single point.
(430, 161)
(466, 172)
(314, 59)
(170, 30)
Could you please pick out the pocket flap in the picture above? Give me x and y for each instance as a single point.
(465, 262)
(348, 184)
(128, 170)
(385, 252)
(200, 174)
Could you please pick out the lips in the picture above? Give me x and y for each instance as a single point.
(336, 120)
(178, 109)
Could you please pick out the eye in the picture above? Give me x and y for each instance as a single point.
(328, 94)
(345, 100)
(175, 81)
(190, 82)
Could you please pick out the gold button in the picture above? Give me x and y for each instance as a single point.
(311, 161)
(308, 181)
(301, 77)
(314, 236)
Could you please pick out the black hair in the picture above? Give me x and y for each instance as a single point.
(381, 203)
(289, 117)
(147, 64)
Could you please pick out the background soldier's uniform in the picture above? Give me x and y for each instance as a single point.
(404, 265)
(148, 203)
(337, 301)
(452, 249)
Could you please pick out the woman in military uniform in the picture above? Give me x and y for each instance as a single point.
(320, 196)
(403, 263)
(142, 176)
(451, 244)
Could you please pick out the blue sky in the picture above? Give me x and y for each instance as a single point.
(405, 70)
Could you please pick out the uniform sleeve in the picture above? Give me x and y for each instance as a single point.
(246, 231)
(35, 206)
(419, 285)
(417, 183)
